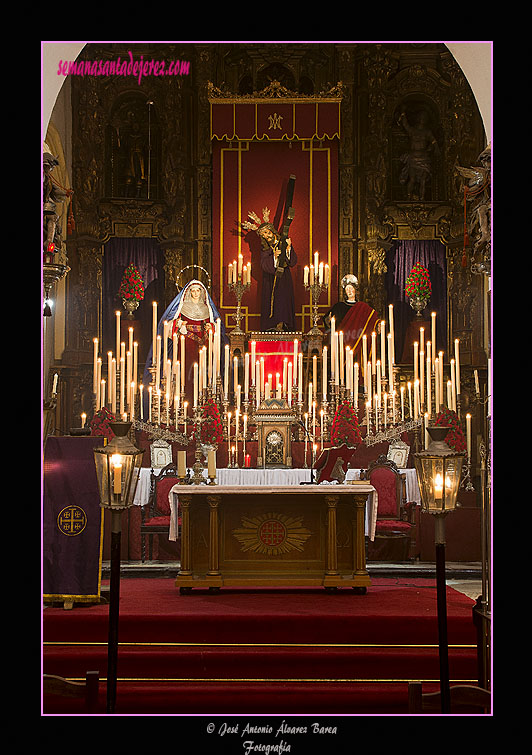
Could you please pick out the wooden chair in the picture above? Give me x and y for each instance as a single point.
(155, 516)
(396, 527)
(87, 690)
(465, 698)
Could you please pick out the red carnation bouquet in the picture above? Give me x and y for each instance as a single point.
(418, 283)
(455, 438)
(100, 423)
(211, 431)
(132, 286)
(345, 429)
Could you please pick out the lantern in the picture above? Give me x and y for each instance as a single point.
(118, 469)
(439, 471)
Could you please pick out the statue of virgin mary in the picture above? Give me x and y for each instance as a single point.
(191, 314)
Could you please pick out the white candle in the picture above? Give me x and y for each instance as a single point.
(341, 355)
(117, 473)
(305, 275)
(383, 349)
(154, 330)
(355, 385)
(402, 403)
(253, 359)
(289, 385)
(235, 374)
(300, 374)
(54, 385)
(95, 366)
(182, 464)
(322, 416)
(246, 376)
(182, 340)
(211, 463)
(122, 384)
(324, 372)
(333, 343)
(477, 387)
(296, 354)
(422, 377)
(196, 381)
(117, 313)
(449, 395)
(373, 352)
(409, 386)
(392, 334)
(416, 360)
(83, 419)
(457, 364)
(433, 335)
(453, 385)
(468, 435)
(226, 373)
(416, 399)
(429, 383)
(364, 355)
(150, 391)
(440, 354)
(437, 398)
(141, 401)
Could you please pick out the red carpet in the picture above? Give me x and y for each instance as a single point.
(264, 650)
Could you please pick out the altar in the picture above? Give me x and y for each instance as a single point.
(273, 536)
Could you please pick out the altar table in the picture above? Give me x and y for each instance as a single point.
(273, 535)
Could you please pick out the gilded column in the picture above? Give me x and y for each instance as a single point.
(360, 547)
(214, 570)
(332, 556)
(186, 562)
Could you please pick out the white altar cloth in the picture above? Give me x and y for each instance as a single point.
(274, 477)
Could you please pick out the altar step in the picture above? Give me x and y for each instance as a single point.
(264, 651)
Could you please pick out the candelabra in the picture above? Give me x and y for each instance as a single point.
(239, 287)
(316, 285)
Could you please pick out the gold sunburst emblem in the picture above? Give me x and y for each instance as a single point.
(272, 534)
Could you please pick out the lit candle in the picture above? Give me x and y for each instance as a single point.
(226, 373)
(373, 352)
(422, 377)
(95, 366)
(54, 385)
(383, 349)
(289, 386)
(246, 375)
(429, 383)
(102, 394)
(117, 334)
(300, 376)
(449, 395)
(230, 273)
(333, 341)
(240, 261)
(364, 356)
(154, 331)
(416, 360)
(457, 364)
(440, 354)
(315, 374)
(185, 408)
(196, 384)
(116, 461)
(285, 375)
(409, 386)
(341, 355)
(416, 398)
(437, 398)
(228, 429)
(322, 420)
(355, 385)
(402, 403)
(433, 335)
(425, 424)
(253, 358)
(150, 390)
(235, 374)
(122, 384)
(83, 419)
(305, 275)
(141, 401)
(368, 404)
(392, 334)
(468, 435)
(182, 342)
(453, 385)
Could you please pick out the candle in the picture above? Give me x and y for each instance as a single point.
(409, 386)
(289, 386)
(324, 372)
(305, 275)
(333, 333)
(246, 375)
(391, 327)
(116, 461)
(416, 399)
(182, 464)
(422, 377)
(429, 383)
(373, 352)
(230, 273)
(457, 364)
(433, 335)
(247, 461)
(95, 366)
(426, 423)
(341, 355)
(253, 358)
(449, 395)
(440, 354)
(468, 435)
(364, 355)
(141, 401)
(226, 372)
(315, 374)
(54, 386)
(118, 334)
(327, 274)
(196, 384)
(355, 386)
(185, 407)
(322, 419)
(211, 463)
(122, 384)
(300, 376)
(228, 429)
(235, 374)
(416, 360)
(437, 399)
(367, 417)
(102, 394)
(83, 419)
(477, 388)
(149, 402)
(453, 385)
(154, 331)
(402, 403)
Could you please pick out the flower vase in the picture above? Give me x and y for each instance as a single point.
(418, 304)
(130, 305)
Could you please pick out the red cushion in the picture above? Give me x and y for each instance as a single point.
(163, 489)
(385, 483)
(387, 525)
(157, 521)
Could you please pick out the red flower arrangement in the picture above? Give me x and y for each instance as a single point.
(455, 438)
(132, 286)
(345, 429)
(211, 431)
(100, 423)
(418, 282)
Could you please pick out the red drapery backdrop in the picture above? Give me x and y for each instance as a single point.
(253, 157)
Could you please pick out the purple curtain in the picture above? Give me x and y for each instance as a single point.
(401, 258)
(148, 257)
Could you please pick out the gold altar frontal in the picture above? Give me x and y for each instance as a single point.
(273, 536)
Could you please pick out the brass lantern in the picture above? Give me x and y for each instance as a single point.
(439, 471)
(118, 468)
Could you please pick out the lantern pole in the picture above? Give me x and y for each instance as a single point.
(441, 599)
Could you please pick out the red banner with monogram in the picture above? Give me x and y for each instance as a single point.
(256, 147)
